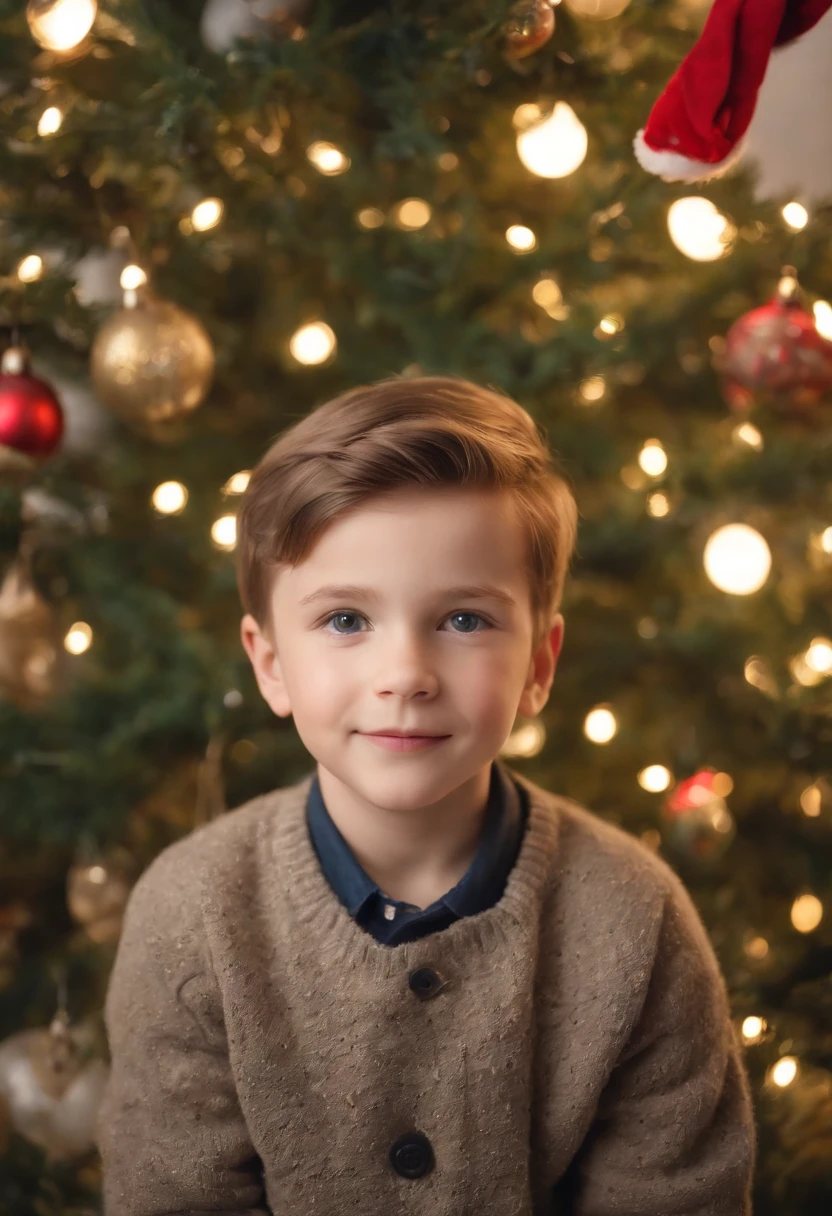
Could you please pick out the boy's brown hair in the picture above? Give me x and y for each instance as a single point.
(426, 430)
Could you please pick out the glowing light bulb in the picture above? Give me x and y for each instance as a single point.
(50, 121)
(807, 913)
(600, 724)
(413, 213)
(312, 343)
(653, 458)
(593, 388)
(655, 778)
(132, 277)
(327, 159)
(826, 540)
(613, 324)
(823, 318)
(748, 434)
(796, 216)
(784, 1071)
(170, 497)
(819, 656)
(757, 948)
(224, 532)
(737, 559)
(698, 230)
(554, 146)
(370, 217)
(752, 1029)
(549, 297)
(79, 638)
(207, 214)
(521, 238)
(526, 740)
(658, 505)
(59, 25)
(30, 269)
(238, 483)
(811, 801)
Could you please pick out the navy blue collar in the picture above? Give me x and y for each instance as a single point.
(496, 852)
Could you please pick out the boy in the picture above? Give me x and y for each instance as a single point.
(415, 981)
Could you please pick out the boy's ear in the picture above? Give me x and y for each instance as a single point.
(267, 671)
(542, 671)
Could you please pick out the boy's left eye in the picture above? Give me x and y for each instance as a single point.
(350, 615)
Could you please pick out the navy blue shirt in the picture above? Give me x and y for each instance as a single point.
(390, 921)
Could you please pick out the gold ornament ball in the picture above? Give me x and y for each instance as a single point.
(597, 10)
(33, 662)
(528, 28)
(152, 365)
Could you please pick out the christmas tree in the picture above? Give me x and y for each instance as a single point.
(217, 215)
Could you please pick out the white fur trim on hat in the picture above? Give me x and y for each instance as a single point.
(673, 167)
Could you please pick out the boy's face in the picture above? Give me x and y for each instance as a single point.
(410, 653)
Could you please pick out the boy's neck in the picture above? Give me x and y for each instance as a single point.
(415, 856)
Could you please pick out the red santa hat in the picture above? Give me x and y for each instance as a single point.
(694, 131)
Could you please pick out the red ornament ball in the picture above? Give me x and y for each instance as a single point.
(698, 824)
(31, 418)
(774, 354)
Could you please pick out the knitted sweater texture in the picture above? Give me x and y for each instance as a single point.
(571, 1053)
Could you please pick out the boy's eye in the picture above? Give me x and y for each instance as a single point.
(337, 619)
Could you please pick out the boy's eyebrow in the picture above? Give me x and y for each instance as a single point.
(478, 591)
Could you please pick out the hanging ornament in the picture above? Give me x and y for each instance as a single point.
(96, 895)
(32, 657)
(529, 27)
(152, 363)
(31, 418)
(224, 21)
(699, 824)
(51, 1085)
(597, 10)
(775, 354)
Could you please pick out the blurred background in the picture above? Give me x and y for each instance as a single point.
(214, 216)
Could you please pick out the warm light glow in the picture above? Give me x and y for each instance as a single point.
(50, 121)
(810, 801)
(30, 269)
(207, 214)
(613, 324)
(757, 948)
(807, 913)
(526, 115)
(758, 673)
(600, 725)
(819, 656)
(737, 559)
(370, 217)
(597, 10)
(752, 1029)
(826, 540)
(527, 740)
(784, 1071)
(747, 433)
(796, 216)
(823, 318)
(59, 25)
(312, 343)
(653, 458)
(224, 532)
(658, 505)
(655, 778)
(132, 277)
(593, 388)
(447, 161)
(170, 497)
(413, 213)
(554, 146)
(238, 483)
(549, 297)
(521, 238)
(327, 159)
(79, 638)
(698, 230)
